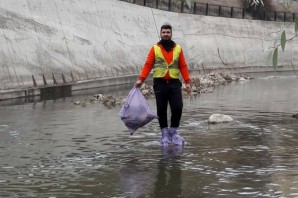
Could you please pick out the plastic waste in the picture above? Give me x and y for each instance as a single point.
(136, 112)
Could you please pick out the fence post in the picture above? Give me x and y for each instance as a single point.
(254, 15)
(44, 80)
(284, 16)
(34, 81)
(169, 5)
(219, 10)
(182, 6)
(54, 79)
(145, 2)
(63, 78)
(243, 13)
(195, 8)
(156, 4)
(265, 15)
(72, 77)
(274, 15)
(293, 16)
(207, 9)
(232, 10)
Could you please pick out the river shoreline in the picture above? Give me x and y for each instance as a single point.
(200, 83)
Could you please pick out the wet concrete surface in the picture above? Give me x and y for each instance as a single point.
(52, 148)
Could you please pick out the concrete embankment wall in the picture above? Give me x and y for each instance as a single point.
(93, 39)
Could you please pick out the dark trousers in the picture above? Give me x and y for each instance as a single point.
(168, 92)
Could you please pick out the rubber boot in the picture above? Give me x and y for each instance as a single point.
(176, 137)
(165, 137)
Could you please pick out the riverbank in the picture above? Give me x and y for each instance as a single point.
(200, 83)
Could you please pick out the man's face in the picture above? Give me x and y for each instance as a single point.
(166, 34)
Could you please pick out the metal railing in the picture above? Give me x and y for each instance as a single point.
(217, 10)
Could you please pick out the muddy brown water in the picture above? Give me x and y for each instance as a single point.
(56, 149)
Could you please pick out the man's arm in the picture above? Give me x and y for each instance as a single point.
(184, 71)
(146, 68)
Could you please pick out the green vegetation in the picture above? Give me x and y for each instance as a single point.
(281, 42)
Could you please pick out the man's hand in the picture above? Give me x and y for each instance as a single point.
(188, 88)
(138, 83)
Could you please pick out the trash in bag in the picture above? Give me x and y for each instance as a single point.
(136, 111)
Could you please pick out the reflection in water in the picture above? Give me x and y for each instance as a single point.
(168, 179)
(136, 183)
(139, 179)
(64, 93)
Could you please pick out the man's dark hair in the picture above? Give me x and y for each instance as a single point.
(166, 26)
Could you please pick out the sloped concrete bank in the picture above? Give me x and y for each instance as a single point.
(65, 89)
(109, 39)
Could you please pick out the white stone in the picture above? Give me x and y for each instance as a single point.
(77, 102)
(219, 118)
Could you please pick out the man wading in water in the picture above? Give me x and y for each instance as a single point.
(168, 61)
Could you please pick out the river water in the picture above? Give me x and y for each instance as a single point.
(54, 149)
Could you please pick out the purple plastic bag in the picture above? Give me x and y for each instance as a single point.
(136, 111)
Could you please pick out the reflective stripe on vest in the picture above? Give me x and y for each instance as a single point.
(161, 67)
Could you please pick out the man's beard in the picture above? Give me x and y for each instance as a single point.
(168, 44)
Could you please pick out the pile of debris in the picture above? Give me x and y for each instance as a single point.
(108, 100)
(201, 83)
